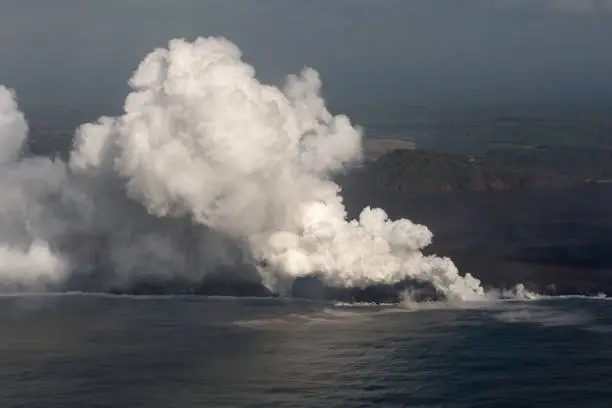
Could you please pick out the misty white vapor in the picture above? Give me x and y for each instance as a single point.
(206, 165)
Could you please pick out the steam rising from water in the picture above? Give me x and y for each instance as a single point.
(206, 167)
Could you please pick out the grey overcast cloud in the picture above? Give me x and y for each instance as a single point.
(412, 50)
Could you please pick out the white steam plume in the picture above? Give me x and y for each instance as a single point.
(13, 127)
(25, 257)
(204, 147)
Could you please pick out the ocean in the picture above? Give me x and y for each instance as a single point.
(469, 129)
(118, 351)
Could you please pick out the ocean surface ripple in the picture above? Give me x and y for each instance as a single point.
(120, 351)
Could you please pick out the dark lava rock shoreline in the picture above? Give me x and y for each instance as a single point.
(540, 216)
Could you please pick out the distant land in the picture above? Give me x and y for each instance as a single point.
(399, 166)
(375, 148)
(537, 215)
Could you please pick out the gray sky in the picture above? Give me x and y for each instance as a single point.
(412, 50)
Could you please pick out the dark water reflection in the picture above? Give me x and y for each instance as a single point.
(86, 351)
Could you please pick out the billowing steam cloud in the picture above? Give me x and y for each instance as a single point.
(25, 257)
(206, 167)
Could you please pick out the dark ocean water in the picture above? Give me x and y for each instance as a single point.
(470, 129)
(97, 351)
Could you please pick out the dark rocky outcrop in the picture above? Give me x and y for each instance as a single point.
(414, 171)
